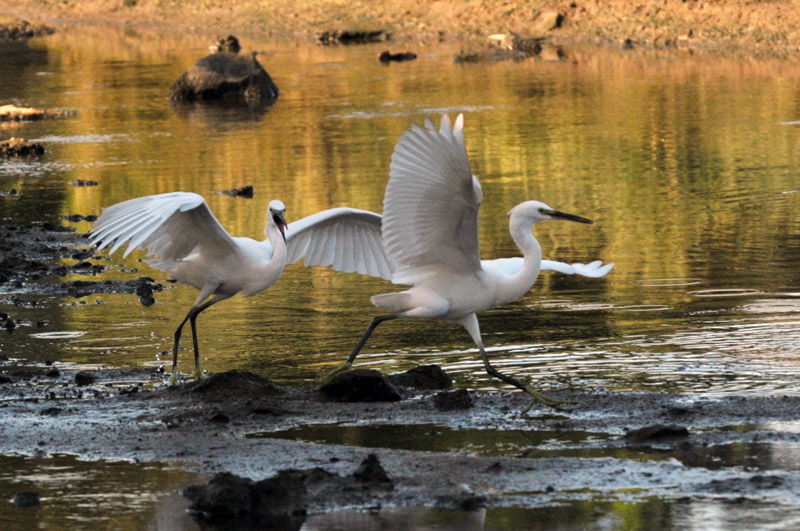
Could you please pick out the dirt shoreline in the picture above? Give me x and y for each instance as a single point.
(733, 24)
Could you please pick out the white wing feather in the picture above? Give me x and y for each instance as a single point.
(511, 266)
(346, 239)
(168, 226)
(430, 215)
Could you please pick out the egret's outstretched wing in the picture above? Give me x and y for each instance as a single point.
(594, 269)
(167, 226)
(347, 239)
(430, 210)
(512, 266)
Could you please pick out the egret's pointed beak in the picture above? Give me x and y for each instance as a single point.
(570, 217)
(280, 221)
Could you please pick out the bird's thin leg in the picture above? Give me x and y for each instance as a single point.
(471, 324)
(378, 319)
(175, 346)
(198, 372)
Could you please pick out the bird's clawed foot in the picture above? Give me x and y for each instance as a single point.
(561, 405)
(344, 367)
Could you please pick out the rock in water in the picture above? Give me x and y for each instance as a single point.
(26, 499)
(225, 74)
(275, 503)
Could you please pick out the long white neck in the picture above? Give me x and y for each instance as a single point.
(270, 271)
(278, 246)
(515, 286)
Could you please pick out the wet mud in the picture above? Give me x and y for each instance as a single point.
(289, 452)
(40, 258)
(627, 445)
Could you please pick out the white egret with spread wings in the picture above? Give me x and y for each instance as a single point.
(430, 235)
(184, 239)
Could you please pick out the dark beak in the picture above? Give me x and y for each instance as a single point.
(280, 221)
(570, 217)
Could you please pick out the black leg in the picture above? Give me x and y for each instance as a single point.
(537, 396)
(349, 363)
(175, 345)
(368, 332)
(192, 321)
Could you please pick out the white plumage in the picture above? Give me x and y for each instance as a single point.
(183, 238)
(430, 233)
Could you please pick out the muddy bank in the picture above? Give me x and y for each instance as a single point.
(731, 24)
(244, 425)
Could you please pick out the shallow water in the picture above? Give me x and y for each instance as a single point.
(687, 163)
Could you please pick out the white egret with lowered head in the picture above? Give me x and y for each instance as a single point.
(430, 235)
(184, 239)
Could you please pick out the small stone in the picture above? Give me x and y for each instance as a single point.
(26, 499)
(656, 433)
(371, 471)
(360, 385)
(454, 400)
(84, 378)
(423, 377)
(245, 191)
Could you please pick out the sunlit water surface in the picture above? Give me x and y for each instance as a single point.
(688, 165)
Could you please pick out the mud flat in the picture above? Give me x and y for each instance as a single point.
(618, 445)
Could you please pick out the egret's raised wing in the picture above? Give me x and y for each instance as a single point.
(168, 226)
(347, 239)
(512, 266)
(430, 210)
(594, 269)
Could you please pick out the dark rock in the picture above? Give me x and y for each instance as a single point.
(23, 30)
(745, 486)
(656, 433)
(360, 385)
(423, 377)
(387, 57)
(278, 502)
(18, 147)
(225, 495)
(461, 502)
(244, 191)
(84, 378)
(351, 37)
(226, 44)
(371, 471)
(220, 418)
(225, 74)
(230, 385)
(83, 182)
(53, 373)
(26, 499)
(454, 400)
(51, 411)
(4, 378)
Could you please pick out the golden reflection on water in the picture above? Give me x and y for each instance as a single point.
(681, 160)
